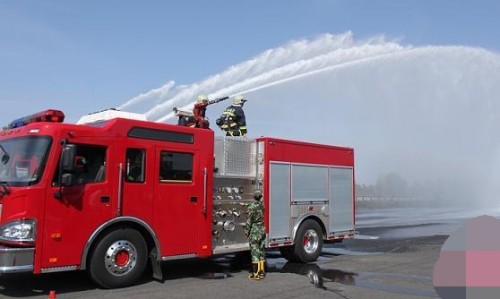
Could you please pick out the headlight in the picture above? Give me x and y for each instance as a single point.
(18, 232)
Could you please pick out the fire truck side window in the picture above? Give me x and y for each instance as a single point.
(135, 165)
(90, 164)
(176, 167)
(93, 168)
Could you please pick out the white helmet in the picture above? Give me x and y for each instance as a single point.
(239, 100)
(202, 98)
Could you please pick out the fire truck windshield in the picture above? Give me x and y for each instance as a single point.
(23, 159)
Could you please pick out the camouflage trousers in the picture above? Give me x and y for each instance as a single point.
(257, 249)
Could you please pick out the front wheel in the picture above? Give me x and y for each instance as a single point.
(119, 259)
(308, 242)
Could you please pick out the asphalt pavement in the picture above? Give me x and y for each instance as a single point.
(361, 268)
(393, 257)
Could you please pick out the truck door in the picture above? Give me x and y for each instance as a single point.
(179, 192)
(71, 217)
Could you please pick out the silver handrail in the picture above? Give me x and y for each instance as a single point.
(205, 177)
(120, 179)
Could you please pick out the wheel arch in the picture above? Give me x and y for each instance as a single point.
(130, 222)
(307, 217)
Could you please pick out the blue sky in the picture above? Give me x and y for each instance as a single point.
(81, 56)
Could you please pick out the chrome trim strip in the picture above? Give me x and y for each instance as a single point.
(16, 269)
(59, 269)
(178, 257)
(231, 248)
(310, 203)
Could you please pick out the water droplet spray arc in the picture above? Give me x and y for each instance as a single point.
(427, 113)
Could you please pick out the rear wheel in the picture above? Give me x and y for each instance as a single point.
(308, 243)
(119, 259)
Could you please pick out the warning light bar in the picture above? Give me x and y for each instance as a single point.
(50, 115)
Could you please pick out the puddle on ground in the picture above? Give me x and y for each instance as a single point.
(319, 277)
(322, 278)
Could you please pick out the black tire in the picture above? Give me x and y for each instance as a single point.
(308, 242)
(119, 259)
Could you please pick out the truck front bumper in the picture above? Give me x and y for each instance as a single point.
(14, 260)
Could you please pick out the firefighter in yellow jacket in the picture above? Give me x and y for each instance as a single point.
(232, 120)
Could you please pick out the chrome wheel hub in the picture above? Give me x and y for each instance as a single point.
(120, 258)
(311, 241)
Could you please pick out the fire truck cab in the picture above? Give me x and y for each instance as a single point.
(115, 191)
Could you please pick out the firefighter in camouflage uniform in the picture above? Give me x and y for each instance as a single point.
(256, 236)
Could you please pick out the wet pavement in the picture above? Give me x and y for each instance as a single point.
(393, 257)
(353, 269)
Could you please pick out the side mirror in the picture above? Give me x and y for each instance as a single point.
(68, 158)
(67, 166)
(67, 179)
(5, 155)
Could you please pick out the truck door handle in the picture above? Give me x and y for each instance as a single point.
(194, 199)
(104, 199)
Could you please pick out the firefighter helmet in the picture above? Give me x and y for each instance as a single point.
(202, 98)
(239, 100)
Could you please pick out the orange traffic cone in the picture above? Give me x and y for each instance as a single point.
(52, 295)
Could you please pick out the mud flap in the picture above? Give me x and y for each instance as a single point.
(156, 266)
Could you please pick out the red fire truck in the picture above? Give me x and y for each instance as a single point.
(114, 191)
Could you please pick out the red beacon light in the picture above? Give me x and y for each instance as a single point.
(49, 115)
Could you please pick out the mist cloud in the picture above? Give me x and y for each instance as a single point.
(426, 113)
